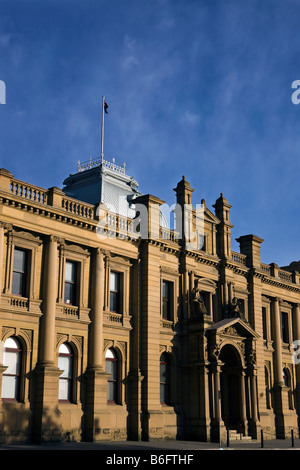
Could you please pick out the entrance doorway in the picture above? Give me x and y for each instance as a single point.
(230, 383)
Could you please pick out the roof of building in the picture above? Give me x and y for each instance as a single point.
(103, 181)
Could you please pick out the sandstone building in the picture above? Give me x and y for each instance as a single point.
(115, 326)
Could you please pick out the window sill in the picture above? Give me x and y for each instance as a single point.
(10, 400)
(167, 408)
(67, 402)
(115, 405)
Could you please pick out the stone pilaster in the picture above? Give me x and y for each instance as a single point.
(135, 377)
(152, 420)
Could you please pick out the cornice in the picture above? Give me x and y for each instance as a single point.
(279, 283)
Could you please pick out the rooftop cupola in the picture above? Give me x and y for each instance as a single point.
(101, 181)
(222, 210)
(183, 192)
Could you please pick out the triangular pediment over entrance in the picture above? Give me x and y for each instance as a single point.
(234, 327)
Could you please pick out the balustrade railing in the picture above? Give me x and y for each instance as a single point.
(238, 257)
(265, 268)
(95, 162)
(78, 208)
(28, 191)
(168, 234)
(285, 276)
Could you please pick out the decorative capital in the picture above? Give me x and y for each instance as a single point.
(56, 239)
(6, 225)
(102, 251)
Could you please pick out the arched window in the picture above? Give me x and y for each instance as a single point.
(164, 379)
(285, 377)
(267, 388)
(111, 366)
(12, 356)
(65, 363)
(287, 381)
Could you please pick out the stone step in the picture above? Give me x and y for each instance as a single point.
(236, 436)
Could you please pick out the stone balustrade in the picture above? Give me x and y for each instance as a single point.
(31, 192)
(238, 257)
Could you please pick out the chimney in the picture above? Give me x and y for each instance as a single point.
(250, 246)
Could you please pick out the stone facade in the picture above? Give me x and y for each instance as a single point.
(167, 340)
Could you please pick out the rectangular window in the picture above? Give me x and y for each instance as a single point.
(241, 304)
(167, 292)
(264, 319)
(202, 242)
(115, 292)
(19, 278)
(284, 327)
(71, 283)
(164, 380)
(205, 297)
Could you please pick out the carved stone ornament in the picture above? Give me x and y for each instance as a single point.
(6, 225)
(230, 330)
(25, 236)
(250, 355)
(235, 310)
(214, 352)
(198, 308)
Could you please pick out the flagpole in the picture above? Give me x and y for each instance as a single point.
(102, 131)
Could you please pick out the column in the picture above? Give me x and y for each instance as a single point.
(48, 331)
(1, 253)
(296, 318)
(277, 343)
(278, 378)
(96, 334)
(243, 401)
(217, 425)
(253, 402)
(46, 420)
(96, 417)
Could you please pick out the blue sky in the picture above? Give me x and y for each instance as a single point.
(200, 88)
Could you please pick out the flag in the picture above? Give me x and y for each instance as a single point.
(105, 107)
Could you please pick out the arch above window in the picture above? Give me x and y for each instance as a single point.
(65, 349)
(12, 343)
(110, 354)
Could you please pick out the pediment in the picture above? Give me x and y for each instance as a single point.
(206, 285)
(233, 327)
(210, 217)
